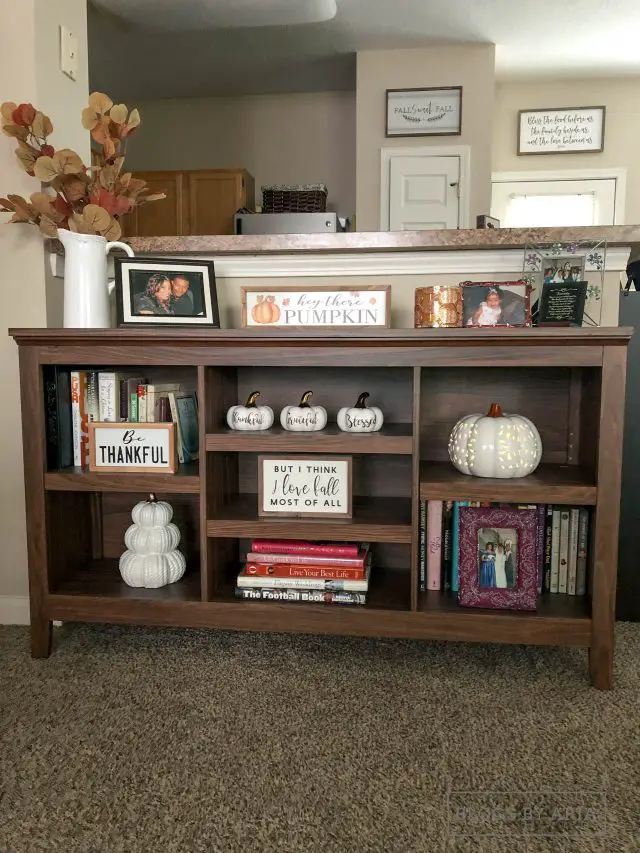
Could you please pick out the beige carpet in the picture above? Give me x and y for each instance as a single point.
(164, 741)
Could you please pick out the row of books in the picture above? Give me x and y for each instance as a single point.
(562, 545)
(305, 572)
(75, 398)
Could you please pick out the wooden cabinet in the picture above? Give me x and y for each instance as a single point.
(197, 202)
(571, 382)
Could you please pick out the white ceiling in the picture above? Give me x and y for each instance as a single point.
(179, 48)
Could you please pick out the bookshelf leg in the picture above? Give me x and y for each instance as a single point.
(40, 637)
(601, 666)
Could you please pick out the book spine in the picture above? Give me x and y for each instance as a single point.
(565, 517)
(306, 560)
(187, 412)
(303, 583)
(93, 396)
(548, 525)
(455, 550)
(423, 547)
(447, 511)
(301, 596)
(583, 544)
(434, 544)
(59, 430)
(133, 407)
(286, 546)
(142, 404)
(76, 418)
(541, 511)
(574, 521)
(555, 551)
(289, 570)
(108, 398)
(163, 410)
(174, 417)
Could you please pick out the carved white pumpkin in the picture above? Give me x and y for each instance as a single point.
(250, 416)
(152, 570)
(304, 417)
(495, 445)
(151, 560)
(360, 418)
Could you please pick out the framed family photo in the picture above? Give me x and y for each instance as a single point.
(164, 292)
(498, 558)
(496, 303)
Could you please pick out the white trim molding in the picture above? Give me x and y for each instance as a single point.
(14, 609)
(461, 151)
(618, 174)
(473, 262)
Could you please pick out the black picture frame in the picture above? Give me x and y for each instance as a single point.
(137, 307)
(550, 303)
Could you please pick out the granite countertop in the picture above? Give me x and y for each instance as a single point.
(384, 241)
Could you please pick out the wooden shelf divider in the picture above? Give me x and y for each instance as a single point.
(185, 481)
(392, 438)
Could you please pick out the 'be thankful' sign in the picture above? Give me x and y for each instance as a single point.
(132, 447)
(305, 486)
(316, 306)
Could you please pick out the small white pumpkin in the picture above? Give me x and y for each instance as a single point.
(495, 445)
(152, 571)
(152, 540)
(360, 418)
(304, 417)
(152, 513)
(250, 416)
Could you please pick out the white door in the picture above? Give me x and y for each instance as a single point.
(424, 193)
(554, 203)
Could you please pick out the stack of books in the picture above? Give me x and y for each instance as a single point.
(562, 552)
(305, 572)
(75, 398)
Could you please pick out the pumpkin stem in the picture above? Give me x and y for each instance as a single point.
(361, 402)
(304, 400)
(251, 400)
(495, 411)
(152, 498)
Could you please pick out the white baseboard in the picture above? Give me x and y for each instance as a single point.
(14, 609)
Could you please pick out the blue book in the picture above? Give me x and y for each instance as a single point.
(455, 543)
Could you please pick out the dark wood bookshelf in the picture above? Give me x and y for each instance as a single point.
(569, 382)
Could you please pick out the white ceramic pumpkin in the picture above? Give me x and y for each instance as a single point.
(151, 560)
(495, 445)
(152, 570)
(250, 416)
(360, 418)
(304, 417)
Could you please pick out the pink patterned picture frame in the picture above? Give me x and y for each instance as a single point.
(521, 592)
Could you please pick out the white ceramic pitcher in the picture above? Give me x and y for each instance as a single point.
(86, 290)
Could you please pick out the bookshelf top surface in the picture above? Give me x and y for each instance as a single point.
(362, 336)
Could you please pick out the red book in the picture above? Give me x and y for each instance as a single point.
(295, 546)
(284, 570)
(310, 559)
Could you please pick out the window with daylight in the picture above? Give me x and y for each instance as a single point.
(554, 203)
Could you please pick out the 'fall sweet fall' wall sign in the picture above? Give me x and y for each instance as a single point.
(316, 306)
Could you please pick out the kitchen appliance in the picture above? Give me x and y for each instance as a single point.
(286, 223)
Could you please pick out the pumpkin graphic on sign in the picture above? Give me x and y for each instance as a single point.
(265, 310)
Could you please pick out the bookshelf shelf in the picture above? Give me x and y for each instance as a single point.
(555, 484)
(569, 382)
(374, 520)
(185, 481)
(392, 438)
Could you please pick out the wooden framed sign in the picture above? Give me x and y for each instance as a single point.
(436, 111)
(568, 130)
(319, 307)
(311, 486)
(134, 448)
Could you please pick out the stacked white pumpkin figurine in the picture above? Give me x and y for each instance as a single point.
(152, 560)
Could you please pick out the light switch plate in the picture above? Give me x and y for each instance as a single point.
(68, 53)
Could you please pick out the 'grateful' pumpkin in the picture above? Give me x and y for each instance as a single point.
(304, 417)
(360, 418)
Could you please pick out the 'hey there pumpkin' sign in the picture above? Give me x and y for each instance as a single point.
(320, 307)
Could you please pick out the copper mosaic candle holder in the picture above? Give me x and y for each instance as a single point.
(438, 307)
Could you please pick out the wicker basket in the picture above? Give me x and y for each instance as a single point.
(294, 198)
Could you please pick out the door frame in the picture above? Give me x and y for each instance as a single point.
(461, 151)
(619, 174)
